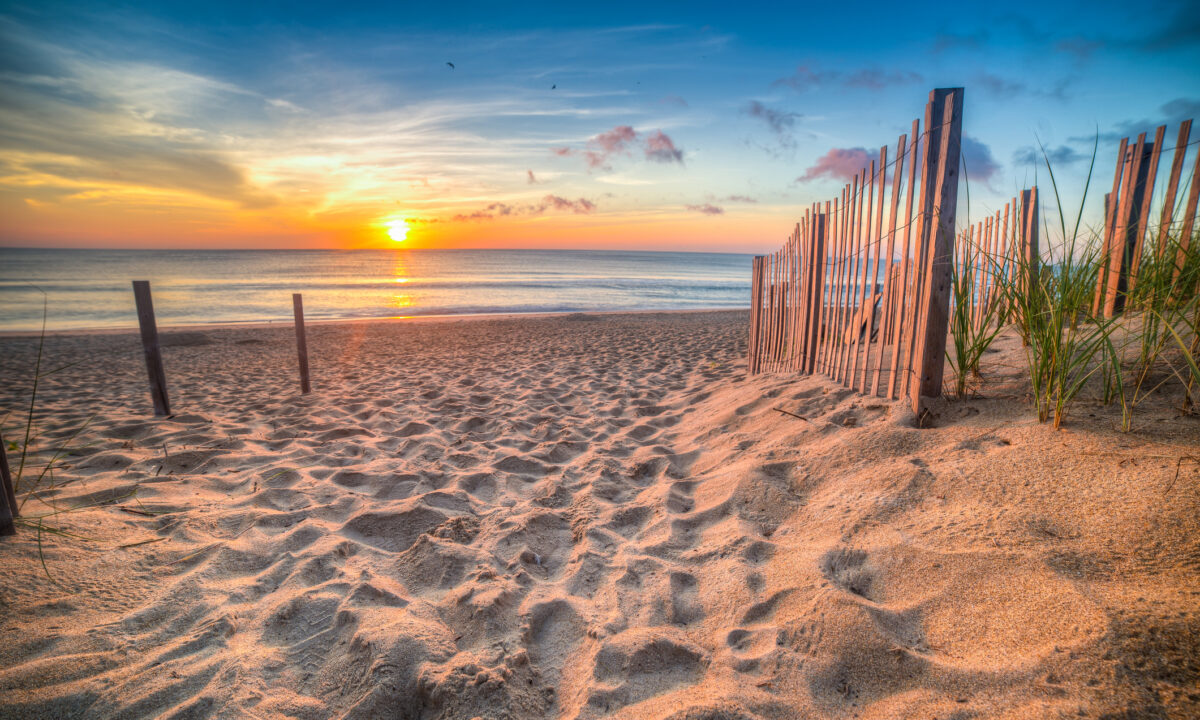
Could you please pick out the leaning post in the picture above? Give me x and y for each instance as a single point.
(301, 342)
(8, 497)
(154, 366)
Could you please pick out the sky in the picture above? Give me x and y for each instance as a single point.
(656, 126)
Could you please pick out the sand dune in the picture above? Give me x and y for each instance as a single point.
(586, 517)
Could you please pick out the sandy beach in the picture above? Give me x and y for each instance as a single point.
(585, 516)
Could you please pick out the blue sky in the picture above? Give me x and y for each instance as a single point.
(673, 126)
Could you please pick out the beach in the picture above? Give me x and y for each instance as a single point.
(583, 515)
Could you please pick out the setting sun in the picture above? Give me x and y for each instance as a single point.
(397, 230)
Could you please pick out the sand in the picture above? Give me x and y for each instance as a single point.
(581, 517)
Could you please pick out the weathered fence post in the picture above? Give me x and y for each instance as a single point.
(1030, 243)
(301, 342)
(816, 292)
(154, 366)
(937, 234)
(8, 498)
(755, 313)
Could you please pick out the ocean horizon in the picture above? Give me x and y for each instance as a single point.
(90, 289)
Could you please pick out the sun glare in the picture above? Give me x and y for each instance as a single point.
(397, 230)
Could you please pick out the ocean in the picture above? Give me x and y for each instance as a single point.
(83, 289)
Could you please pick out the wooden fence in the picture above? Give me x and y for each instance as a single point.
(991, 251)
(1127, 214)
(814, 301)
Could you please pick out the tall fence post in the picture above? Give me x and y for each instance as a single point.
(301, 342)
(937, 234)
(752, 349)
(8, 498)
(1030, 243)
(154, 366)
(816, 293)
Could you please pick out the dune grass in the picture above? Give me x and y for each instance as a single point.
(1147, 349)
(34, 460)
(971, 335)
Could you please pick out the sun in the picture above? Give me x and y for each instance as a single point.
(397, 230)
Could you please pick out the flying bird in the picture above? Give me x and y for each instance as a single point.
(451, 65)
(554, 86)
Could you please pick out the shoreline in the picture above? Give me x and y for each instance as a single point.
(308, 321)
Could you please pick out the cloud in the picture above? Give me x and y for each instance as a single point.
(1005, 89)
(1181, 109)
(1061, 155)
(876, 79)
(105, 128)
(707, 209)
(1000, 87)
(601, 148)
(977, 157)
(1180, 31)
(673, 100)
(781, 122)
(806, 78)
(532, 179)
(661, 148)
(740, 199)
(1079, 46)
(839, 164)
(954, 41)
(1170, 113)
(582, 206)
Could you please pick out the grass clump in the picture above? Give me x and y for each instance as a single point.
(1150, 345)
(1065, 344)
(975, 318)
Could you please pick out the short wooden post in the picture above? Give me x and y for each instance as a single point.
(154, 366)
(301, 343)
(8, 498)
(938, 236)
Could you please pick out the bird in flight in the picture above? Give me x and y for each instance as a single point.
(451, 65)
(554, 86)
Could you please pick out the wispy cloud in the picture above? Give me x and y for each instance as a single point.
(1061, 155)
(877, 79)
(1007, 89)
(707, 209)
(1169, 113)
(807, 77)
(582, 206)
(781, 122)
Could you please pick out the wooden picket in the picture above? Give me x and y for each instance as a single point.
(1127, 215)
